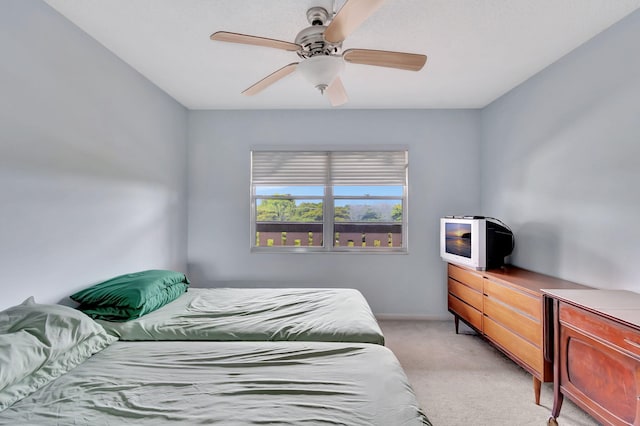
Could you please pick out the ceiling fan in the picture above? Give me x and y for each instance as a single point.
(319, 47)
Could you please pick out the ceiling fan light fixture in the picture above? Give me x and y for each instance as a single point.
(321, 70)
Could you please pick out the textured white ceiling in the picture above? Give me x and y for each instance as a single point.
(477, 49)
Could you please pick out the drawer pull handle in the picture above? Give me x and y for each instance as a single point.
(632, 343)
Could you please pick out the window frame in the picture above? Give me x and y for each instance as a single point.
(328, 200)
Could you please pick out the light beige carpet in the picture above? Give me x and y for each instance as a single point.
(460, 379)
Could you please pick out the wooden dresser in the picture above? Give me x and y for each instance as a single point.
(597, 353)
(506, 306)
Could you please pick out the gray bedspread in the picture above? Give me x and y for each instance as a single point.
(227, 383)
(328, 315)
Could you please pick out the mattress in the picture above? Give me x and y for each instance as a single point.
(257, 314)
(230, 383)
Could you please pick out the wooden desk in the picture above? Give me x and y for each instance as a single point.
(597, 353)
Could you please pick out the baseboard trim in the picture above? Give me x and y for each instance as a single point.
(403, 317)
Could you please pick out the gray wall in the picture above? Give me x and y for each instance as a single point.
(561, 163)
(443, 179)
(92, 161)
(93, 173)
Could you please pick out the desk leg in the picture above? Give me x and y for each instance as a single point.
(536, 389)
(456, 321)
(557, 394)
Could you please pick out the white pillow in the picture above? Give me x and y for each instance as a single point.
(41, 342)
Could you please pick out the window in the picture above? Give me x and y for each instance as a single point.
(320, 201)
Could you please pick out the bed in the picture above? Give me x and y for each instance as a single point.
(229, 383)
(252, 314)
(70, 371)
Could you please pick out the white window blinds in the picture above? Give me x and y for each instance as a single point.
(288, 168)
(368, 168)
(332, 168)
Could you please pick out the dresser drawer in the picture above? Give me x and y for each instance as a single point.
(523, 325)
(599, 328)
(469, 295)
(466, 277)
(523, 302)
(468, 313)
(527, 354)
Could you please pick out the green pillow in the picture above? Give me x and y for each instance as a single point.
(126, 313)
(130, 296)
(41, 342)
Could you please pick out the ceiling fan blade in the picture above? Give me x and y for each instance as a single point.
(254, 40)
(336, 93)
(349, 17)
(383, 58)
(270, 79)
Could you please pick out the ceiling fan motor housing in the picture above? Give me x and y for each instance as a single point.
(312, 38)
